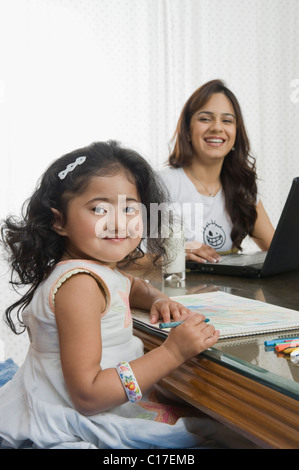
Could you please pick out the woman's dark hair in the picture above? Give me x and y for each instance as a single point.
(33, 245)
(238, 174)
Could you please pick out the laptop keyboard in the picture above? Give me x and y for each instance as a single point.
(245, 259)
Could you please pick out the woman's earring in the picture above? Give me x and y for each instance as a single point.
(233, 148)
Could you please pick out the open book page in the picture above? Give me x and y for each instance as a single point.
(231, 315)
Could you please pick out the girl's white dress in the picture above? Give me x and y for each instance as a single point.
(35, 405)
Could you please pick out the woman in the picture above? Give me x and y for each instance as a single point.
(211, 165)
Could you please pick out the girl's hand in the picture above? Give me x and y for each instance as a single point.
(196, 251)
(168, 309)
(190, 338)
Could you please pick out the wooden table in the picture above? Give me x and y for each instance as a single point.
(240, 391)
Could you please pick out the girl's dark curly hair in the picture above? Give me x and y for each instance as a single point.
(238, 174)
(33, 245)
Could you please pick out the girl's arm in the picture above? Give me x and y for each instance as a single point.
(263, 229)
(143, 295)
(79, 304)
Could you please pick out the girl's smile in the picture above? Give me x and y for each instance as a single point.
(115, 239)
(103, 223)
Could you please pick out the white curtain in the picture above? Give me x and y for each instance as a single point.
(75, 71)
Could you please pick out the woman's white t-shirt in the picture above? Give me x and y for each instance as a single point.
(205, 218)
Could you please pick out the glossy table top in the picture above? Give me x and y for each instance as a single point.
(247, 355)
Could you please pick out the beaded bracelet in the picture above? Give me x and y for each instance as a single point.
(129, 381)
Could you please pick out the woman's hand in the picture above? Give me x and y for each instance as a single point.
(196, 251)
(167, 309)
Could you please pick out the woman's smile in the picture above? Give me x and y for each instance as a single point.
(214, 141)
(213, 129)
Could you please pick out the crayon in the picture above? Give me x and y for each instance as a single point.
(173, 324)
(273, 342)
(283, 346)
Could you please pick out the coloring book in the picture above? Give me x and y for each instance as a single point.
(232, 315)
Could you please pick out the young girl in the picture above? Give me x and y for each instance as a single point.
(72, 390)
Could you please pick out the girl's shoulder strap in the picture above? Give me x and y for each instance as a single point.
(105, 277)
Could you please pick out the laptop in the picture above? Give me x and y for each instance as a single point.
(283, 253)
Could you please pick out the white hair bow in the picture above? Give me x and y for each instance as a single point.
(71, 167)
